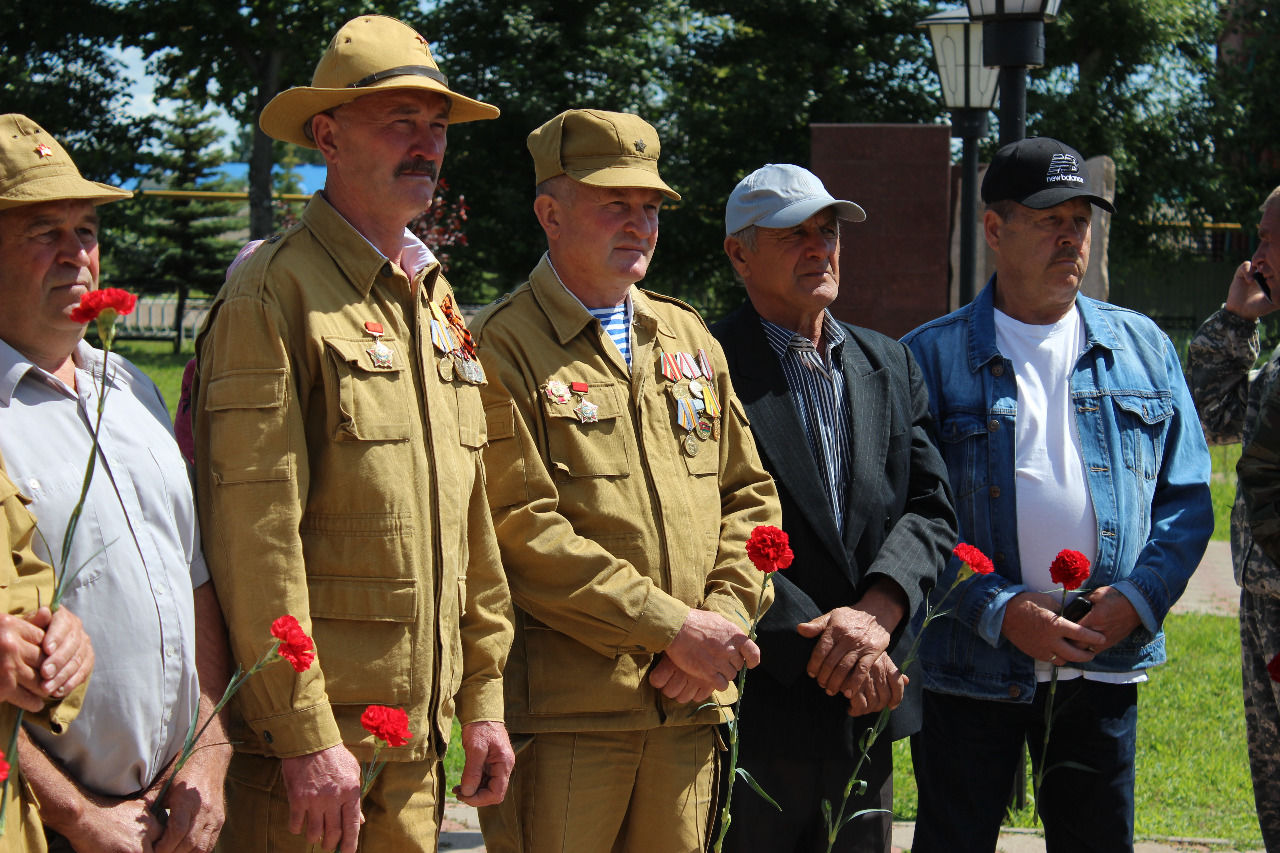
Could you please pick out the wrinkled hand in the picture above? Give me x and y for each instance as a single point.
(711, 649)
(850, 641)
(1032, 624)
(69, 653)
(489, 761)
(882, 688)
(20, 654)
(1245, 298)
(324, 797)
(109, 825)
(677, 684)
(1112, 616)
(196, 804)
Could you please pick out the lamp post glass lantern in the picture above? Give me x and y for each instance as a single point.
(969, 90)
(1013, 41)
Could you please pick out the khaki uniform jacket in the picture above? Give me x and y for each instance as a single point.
(348, 494)
(610, 532)
(25, 583)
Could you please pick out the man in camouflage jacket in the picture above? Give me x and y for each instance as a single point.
(1229, 394)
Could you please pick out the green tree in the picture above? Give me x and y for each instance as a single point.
(184, 244)
(57, 68)
(240, 56)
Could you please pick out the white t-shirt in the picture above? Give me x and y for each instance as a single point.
(1055, 510)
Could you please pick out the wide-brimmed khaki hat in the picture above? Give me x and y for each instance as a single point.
(372, 53)
(34, 168)
(600, 148)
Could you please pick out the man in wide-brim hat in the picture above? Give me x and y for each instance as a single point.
(338, 436)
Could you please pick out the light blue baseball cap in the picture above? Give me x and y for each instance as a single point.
(780, 195)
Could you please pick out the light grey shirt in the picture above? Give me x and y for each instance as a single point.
(140, 547)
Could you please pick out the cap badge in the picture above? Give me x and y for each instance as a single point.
(44, 150)
(1063, 167)
(640, 146)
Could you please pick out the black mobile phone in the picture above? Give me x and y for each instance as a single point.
(1079, 606)
(1262, 284)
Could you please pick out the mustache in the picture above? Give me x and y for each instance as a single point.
(1066, 255)
(417, 166)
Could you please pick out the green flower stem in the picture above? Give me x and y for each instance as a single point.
(1038, 779)
(371, 770)
(837, 823)
(731, 777)
(193, 735)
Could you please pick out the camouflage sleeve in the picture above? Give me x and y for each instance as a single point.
(1221, 355)
(1259, 472)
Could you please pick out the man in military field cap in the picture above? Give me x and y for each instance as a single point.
(338, 433)
(624, 485)
(137, 540)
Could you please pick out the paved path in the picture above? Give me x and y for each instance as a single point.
(1212, 590)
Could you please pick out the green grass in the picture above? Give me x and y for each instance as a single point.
(1222, 485)
(1193, 770)
(158, 360)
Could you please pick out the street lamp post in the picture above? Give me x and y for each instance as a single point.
(1013, 41)
(968, 89)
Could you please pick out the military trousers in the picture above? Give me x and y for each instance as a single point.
(1259, 643)
(402, 811)
(607, 792)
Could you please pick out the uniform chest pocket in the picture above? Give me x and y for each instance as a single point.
(961, 436)
(1143, 419)
(366, 402)
(578, 448)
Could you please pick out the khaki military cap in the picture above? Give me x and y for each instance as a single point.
(34, 168)
(372, 53)
(600, 148)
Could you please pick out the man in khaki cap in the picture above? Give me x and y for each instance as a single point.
(137, 540)
(338, 433)
(624, 485)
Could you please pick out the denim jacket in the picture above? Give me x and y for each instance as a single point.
(1147, 470)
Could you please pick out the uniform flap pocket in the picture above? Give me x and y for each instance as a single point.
(1152, 407)
(363, 599)
(500, 419)
(604, 396)
(9, 490)
(247, 389)
(355, 352)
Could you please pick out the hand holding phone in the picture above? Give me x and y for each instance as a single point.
(1261, 281)
(1076, 610)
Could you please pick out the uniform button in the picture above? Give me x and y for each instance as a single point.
(995, 491)
(266, 735)
(1014, 691)
(993, 425)
(997, 370)
(385, 272)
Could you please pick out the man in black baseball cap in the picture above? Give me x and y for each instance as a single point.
(1066, 424)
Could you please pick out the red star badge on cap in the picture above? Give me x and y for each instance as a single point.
(44, 150)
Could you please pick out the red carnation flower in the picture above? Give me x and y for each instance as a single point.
(387, 724)
(4, 768)
(768, 548)
(295, 646)
(973, 557)
(95, 302)
(1069, 568)
(1273, 668)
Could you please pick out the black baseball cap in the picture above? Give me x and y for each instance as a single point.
(1039, 172)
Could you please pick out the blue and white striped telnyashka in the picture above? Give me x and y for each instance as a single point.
(617, 325)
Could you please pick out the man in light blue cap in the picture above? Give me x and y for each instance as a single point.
(840, 417)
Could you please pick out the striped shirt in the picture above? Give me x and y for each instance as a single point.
(817, 389)
(616, 322)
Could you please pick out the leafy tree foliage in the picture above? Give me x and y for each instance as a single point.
(180, 244)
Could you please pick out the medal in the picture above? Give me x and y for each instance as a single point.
(472, 371)
(686, 415)
(670, 366)
(688, 366)
(710, 401)
(445, 366)
(380, 353)
(690, 444)
(695, 388)
(715, 429)
(704, 428)
(588, 412)
(556, 391)
(439, 339)
(705, 364)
